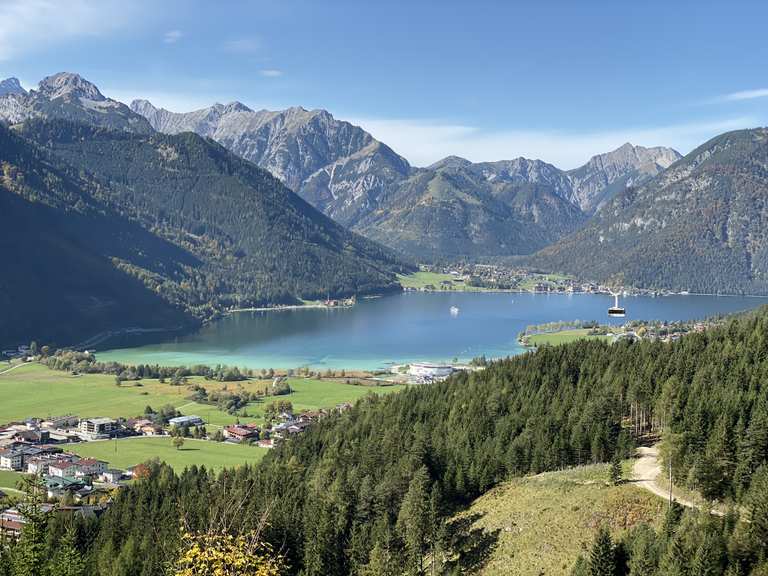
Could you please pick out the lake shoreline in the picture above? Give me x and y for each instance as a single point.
(436, 327)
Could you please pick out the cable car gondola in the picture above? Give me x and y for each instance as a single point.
(616, 311)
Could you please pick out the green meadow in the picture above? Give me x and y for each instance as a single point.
(563, 337)
(131, 451)
(34, 390)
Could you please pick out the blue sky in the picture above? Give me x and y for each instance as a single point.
(487, 80)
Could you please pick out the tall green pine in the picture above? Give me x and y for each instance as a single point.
(602, 559)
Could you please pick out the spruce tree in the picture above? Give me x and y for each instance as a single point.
(616, 474)
(413, 519)
(757, 505)
(68, 561)
(29, 554)
(602, 558)
(643, 551)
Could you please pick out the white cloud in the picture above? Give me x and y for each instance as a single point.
(271, 73)
(31, 25)
(423, 142)
(172, 36)
(745, 95)
(249, 45)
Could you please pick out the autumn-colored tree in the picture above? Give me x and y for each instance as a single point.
(216, 554)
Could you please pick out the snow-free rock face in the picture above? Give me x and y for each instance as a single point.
(71, 97)
(68, 85)
(334, 165)
(606, 174)
(11, 86)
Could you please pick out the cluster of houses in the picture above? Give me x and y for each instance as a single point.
(63, 473)
(288, 425)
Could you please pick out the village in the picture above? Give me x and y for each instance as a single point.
(495, 277)
(44, 448)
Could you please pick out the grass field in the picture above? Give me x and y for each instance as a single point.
(421, 279)
(540, 524)
(8, 482)
(34, 390)
(132, 451)
(562, 337)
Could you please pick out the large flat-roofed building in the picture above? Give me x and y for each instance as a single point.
(430, 371)
(97, 427)
(186, 421)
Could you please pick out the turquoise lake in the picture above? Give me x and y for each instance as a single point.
(403, 328)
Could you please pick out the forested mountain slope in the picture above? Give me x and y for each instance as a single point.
(698, 226)
(210, 230)
(452, 209)
(368, 491)
(337, 167)
(460, 210)
(58, 241)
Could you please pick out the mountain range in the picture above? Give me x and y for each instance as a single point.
(451, 209)
(112, 228)
(635, 215)
(699, 226)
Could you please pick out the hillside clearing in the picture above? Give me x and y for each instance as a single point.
(538, 525)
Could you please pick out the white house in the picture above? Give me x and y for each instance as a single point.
(90, 467)
(95, 428)
(11, 459)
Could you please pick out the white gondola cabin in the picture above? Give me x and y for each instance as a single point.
(616, 311)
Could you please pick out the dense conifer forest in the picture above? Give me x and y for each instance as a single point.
(108, 230)
(369, 491)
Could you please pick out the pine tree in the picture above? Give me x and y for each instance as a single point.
(68, 561)
(413, 519)
(29, 555)
(643, 551)
(757, 504)
(675, 560)
(710, 557)
(616, 474)
(602, 559)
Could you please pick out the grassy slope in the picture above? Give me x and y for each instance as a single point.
(544, 522)
(562, 337)
(8, 481)
(34, 390)
(133, 451)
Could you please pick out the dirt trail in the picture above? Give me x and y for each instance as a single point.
(647, 470)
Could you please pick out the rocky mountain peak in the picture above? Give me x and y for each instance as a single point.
(68, 84)
(234, 106)
(450, 162)
(11, 86)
